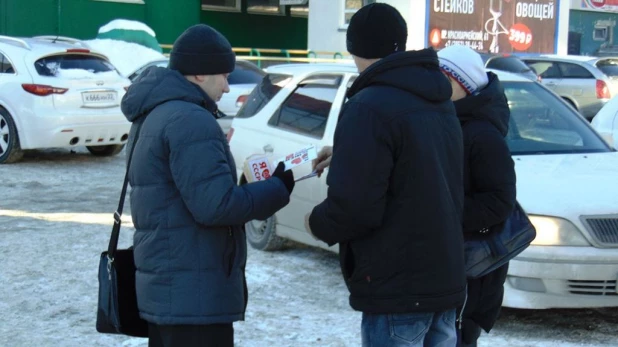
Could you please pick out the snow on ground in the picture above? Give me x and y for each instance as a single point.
(125, 24)
(125, 56)
(55, 219)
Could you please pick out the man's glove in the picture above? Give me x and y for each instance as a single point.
(287, 177)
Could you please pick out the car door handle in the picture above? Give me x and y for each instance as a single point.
(551, 84)
(268, 149)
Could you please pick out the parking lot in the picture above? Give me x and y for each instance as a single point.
(55, 217)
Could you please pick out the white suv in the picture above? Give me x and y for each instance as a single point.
(56, 92)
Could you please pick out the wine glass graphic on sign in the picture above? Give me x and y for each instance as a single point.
(497, 28)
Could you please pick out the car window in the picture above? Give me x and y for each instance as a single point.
(609, 67)
(541, 123)
(347, 88)
(545, 69)
(51, 66)
(306, 110)
(261, 95)
(246, 73)
(5, 65)
(511, 64)
(139, 71)
(569, 70)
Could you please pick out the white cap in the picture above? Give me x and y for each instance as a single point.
(465, 66)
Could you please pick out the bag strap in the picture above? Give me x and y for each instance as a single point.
(113, 241)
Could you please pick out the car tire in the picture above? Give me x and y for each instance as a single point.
(261, 234)
(105, 151)
(10, 149)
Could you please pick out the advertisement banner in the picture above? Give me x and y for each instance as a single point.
(597, 5)
(496, 26)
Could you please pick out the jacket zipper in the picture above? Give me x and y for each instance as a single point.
(460, 319)
(233, 254)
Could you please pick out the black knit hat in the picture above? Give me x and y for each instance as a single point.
(202, 50)
(375, 31)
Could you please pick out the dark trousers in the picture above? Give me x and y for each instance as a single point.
(469, 334)
(212, 335)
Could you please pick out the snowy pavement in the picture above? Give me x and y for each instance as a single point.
(55, 219)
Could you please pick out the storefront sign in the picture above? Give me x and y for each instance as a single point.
(595, 5)
(496, 26)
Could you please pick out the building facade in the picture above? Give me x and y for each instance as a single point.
(592, 27)
(247, 23)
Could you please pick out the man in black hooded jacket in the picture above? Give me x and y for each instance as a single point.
(489, 174)
(395, 192)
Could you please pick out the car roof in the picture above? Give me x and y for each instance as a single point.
(565, 58)
(294, 69)
(509, 76)
(165, 60)
(44, 45)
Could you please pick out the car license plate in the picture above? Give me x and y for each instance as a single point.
(90, 98)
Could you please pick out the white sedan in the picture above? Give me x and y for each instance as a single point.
(566, 180)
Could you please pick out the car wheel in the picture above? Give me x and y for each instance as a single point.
(10, 150)
(105, 151)
(261, 234)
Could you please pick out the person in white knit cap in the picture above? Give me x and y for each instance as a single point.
(489, 176)
(464, 67)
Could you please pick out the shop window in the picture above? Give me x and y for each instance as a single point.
(599, 34)
(350, 7)
(139, 2)
(221, 5)
(265, 7)
(300, 10)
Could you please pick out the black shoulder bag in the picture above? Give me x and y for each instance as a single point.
(490, 251)
(117, 311)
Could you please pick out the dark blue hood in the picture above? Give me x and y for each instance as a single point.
(157, 85)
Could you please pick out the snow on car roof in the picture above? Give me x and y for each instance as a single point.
(36, 47)
(45, 43)
(295, 69)
(583, 58)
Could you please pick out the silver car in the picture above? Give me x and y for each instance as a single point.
(587, 83)
(242, 80)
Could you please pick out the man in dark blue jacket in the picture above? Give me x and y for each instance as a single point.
(190, 248)
(395, 189)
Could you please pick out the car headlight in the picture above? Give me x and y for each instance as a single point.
(552, 231)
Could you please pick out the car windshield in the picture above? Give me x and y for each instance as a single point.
(246, 73)
(270, 85)
(609, 67)
(541, 123)
(51, 66)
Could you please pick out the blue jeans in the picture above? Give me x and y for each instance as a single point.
(434, 329)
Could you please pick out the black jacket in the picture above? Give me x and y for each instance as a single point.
(489, 181)
(395, 192)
